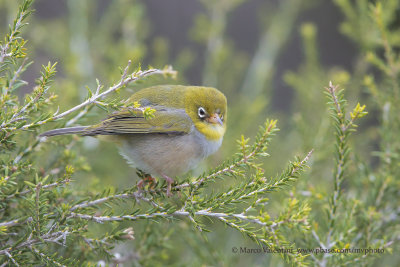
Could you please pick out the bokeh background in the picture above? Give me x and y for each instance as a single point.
(247, 49)
(272, 59)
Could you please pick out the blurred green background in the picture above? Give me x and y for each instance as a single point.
(272, 59)
(246, 49)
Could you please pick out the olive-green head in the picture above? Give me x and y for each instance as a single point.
(207, 107)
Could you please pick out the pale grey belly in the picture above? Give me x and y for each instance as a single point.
(171, 155)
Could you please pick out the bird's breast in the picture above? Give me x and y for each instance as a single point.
(170, 155)
(208, 146)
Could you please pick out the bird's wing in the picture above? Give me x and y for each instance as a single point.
(165, 120)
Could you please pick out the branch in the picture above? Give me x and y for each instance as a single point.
(124, 81)
(13, 222)
(22, 14)
(343, 128)
(29, 219)
(268, 187)
(238, 163)
(138, 196)
(11, 257)
(219, 215)
(16, 75)
(342, 151)
(46, 257)
(54, 237)
(55, 184)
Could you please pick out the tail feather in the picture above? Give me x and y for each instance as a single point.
(62, 131)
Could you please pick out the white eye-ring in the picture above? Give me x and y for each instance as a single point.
(201, 112)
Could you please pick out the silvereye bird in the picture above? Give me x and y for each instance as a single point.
(188, 125)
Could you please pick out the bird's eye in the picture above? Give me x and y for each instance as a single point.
(201, 112)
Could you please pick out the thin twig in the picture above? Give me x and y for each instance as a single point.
(218, 215)
(47, 238)
(231, 168)
(269, 186)
(16, 75)
(78, 116)
(47, 257)
(136, 195)
(6, 46)
(55, 184)
(125, 80)
(11, 257)
(15, 222)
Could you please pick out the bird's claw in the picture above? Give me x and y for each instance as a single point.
(169, 181)
(146, 179)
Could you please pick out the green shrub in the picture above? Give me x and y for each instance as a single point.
(73, 201)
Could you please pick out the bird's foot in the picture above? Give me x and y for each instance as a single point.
(169, 181)
(146, 178)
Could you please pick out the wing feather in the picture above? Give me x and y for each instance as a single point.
(165, 120)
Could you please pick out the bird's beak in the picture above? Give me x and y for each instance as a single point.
(214, 118)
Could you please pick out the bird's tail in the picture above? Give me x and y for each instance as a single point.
(62, 131)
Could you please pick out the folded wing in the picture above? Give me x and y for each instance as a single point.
(165, 121)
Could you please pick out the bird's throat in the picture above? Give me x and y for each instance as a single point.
(211, 131)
